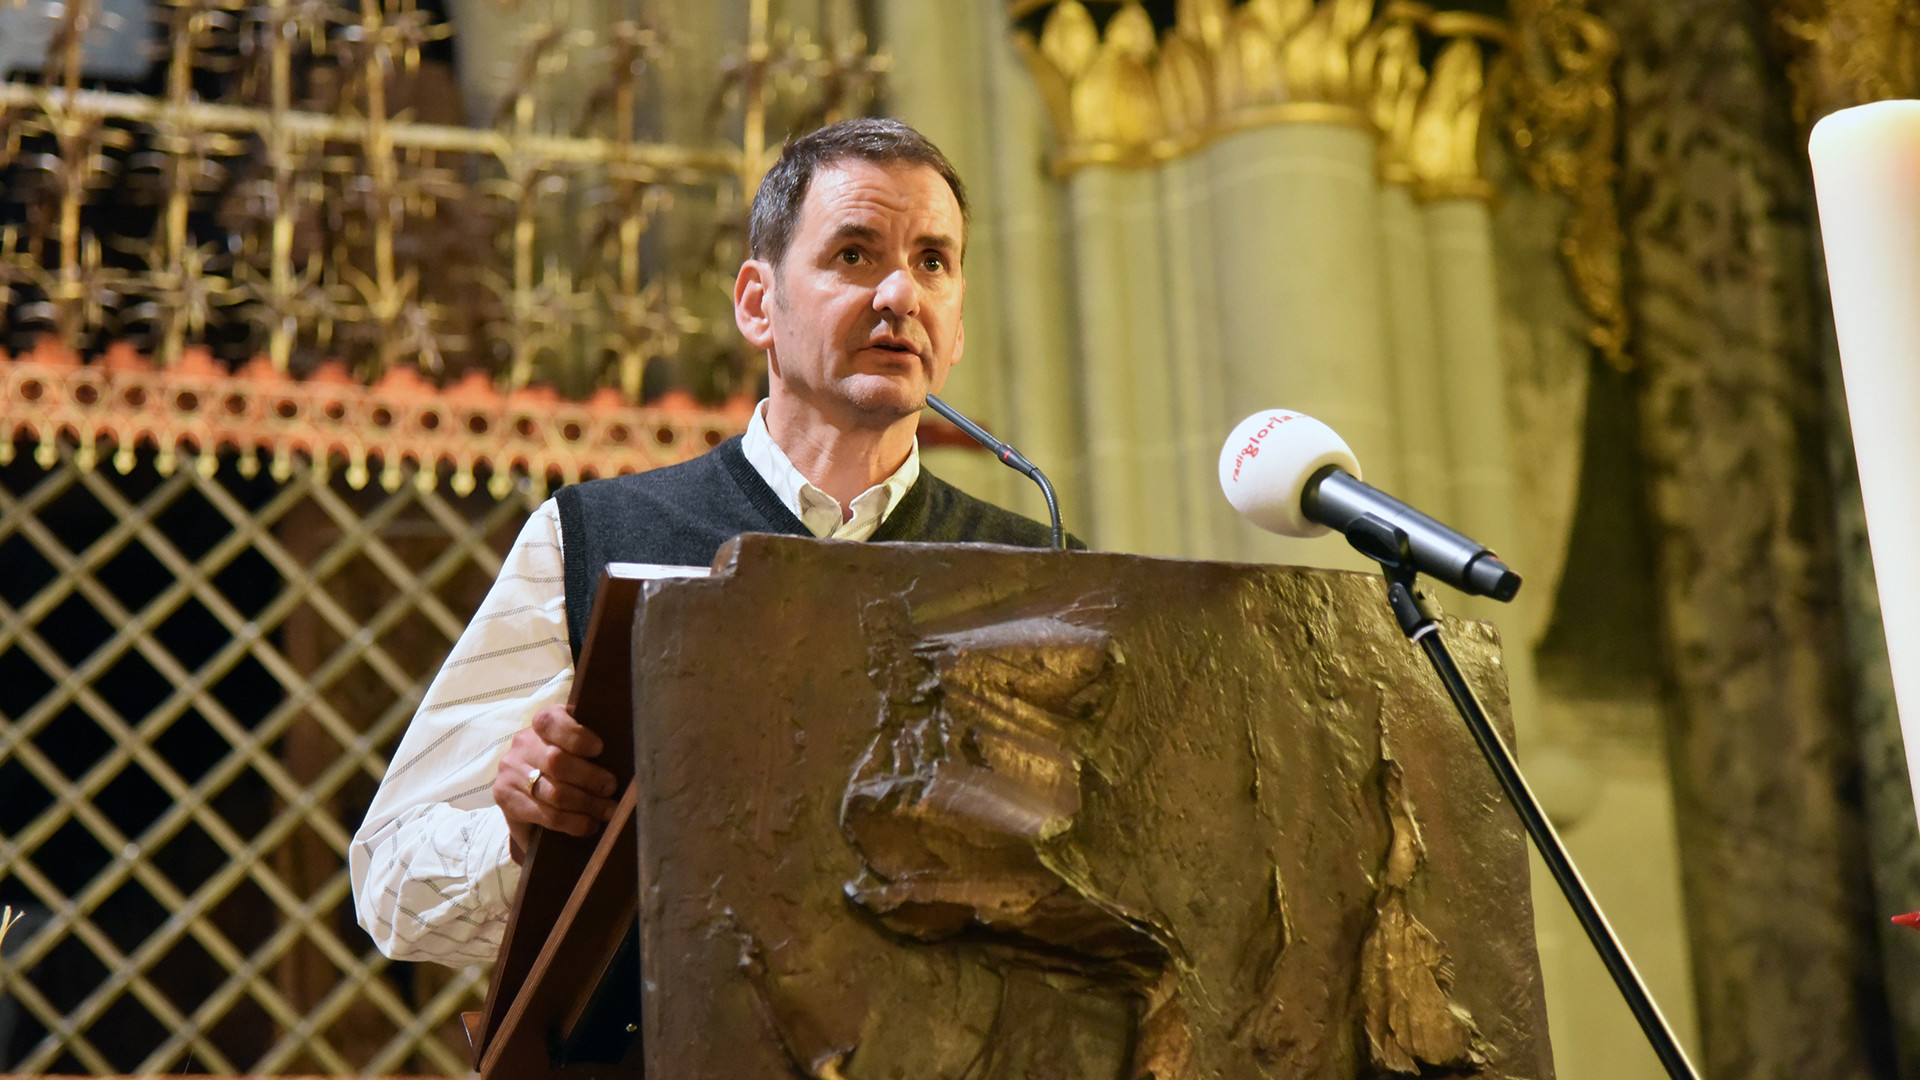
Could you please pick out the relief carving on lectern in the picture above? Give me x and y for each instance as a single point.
(975, 771)
(1207, 821)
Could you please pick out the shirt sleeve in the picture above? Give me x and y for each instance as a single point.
(432, 875)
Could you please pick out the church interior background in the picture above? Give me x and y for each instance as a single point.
(306, 305)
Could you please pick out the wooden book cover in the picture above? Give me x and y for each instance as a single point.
(560, 881)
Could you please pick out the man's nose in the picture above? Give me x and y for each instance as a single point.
(898, 294)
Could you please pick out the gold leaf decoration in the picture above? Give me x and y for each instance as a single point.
(1251, 69)
(1116, 102)
(1444, 150)
(1132, 34)
(1849, 52)
(1317, 59)
(1388, 60)
(1203, 22)
(1560, 118)
(1069, 39)
(1184, 80)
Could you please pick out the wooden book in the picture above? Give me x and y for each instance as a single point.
(568, 969)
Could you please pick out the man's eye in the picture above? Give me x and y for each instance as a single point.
(934, 263)
(849, 256)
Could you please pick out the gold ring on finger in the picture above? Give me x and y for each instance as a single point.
(533, 781)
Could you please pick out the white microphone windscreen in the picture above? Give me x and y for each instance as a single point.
(1267, 461)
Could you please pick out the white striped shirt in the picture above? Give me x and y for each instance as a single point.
(432, 875)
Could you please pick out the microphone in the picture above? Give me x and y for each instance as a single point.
(1010, 457)
(1290, 474)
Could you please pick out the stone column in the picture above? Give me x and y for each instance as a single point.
(1207, 407)
(1119, 276)
(1298, 264)
(1765, 763)
(937, 85)
(1425, 454)
(1470, 377)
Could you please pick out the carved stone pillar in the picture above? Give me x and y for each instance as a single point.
(1843, 53)
(1764, 759)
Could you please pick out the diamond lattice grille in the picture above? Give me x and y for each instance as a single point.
(201, 676)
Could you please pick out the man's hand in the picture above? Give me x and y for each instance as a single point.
(546, 779)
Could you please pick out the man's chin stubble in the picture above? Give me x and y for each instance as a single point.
(887, 405)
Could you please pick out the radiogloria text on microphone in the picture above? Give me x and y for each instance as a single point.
(1252, 448)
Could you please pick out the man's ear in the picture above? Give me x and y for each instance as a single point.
(753, 303)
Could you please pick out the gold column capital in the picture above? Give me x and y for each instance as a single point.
(1126, 92)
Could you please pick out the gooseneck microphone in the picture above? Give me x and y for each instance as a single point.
(1012, 458)
(1290, 474)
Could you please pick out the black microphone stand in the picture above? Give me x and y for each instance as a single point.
(1389, 546)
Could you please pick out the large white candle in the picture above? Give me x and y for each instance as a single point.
(1866, 175)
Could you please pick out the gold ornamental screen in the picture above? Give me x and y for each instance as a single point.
(200, 677)
(302, 309)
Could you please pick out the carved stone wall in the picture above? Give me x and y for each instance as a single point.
(1733, 430)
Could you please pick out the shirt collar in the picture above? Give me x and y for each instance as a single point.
(816, 509)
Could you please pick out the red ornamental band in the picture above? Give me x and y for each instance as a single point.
(400, 427)
(400, 424)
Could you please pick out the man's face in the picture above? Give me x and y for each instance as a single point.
(861, 319)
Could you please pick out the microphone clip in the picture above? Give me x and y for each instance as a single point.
(1383, 542)
(1389, 545)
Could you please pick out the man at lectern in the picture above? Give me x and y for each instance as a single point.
(853, 289)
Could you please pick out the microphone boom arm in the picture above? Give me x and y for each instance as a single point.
(1008, 456)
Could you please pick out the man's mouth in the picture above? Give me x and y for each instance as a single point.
(895, 345)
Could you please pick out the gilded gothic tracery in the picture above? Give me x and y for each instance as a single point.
(287, 352)
(316, 207)
(1560, 115)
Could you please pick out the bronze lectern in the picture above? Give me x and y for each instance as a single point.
(933, 811)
